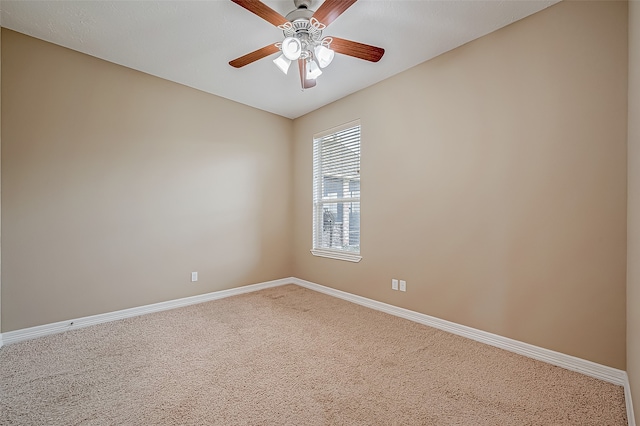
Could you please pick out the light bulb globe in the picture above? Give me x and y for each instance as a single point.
(313, 71)
(283, 63)
(324, 55)
(291, 48)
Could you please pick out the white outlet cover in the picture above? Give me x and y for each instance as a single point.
(194, 277)
(403, 285)
(394, 284)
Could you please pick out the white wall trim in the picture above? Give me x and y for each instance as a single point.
(58, 327)
(628, 401)
(579, 365)
(592, 369)
(332, 254)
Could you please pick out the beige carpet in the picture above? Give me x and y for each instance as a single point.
(287, 356)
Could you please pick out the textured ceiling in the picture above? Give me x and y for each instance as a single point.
(191, 42)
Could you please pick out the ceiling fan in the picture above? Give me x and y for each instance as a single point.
(303, 42)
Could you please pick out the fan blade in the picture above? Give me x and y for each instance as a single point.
(254, 56)
(357, 50)
(263, 11)
(306, 84)
(331, 9)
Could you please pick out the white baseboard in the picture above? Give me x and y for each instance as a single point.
(589, 368)
(58, 327)
(628, 401)
(602, 372)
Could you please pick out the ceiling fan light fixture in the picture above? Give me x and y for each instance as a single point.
(324, 55)
(291, 48)
(283, 63)
(313, 71)
(303, 41)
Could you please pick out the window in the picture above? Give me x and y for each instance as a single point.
(336, 193)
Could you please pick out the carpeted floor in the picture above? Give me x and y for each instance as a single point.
(287, 356)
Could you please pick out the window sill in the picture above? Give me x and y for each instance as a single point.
(349, 257)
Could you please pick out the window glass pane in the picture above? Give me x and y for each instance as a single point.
(340, 226)
(354, 188)
(332, 187)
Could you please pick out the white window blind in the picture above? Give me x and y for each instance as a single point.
(336, 193)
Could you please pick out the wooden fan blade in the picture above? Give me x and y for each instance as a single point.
(331, 9)
(306, 84)
(254, 56)
(357, 50)
(262, 10)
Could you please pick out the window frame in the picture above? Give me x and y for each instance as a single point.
(318, 200)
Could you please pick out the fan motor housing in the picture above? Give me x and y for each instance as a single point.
(299, 14)
(301, 25)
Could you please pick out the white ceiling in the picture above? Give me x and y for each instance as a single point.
(191, 42)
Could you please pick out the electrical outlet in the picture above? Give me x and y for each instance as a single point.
(403, 285)
(194, 277)
(394, 284)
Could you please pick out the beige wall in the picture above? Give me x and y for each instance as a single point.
(494, 182)
(116, 185)
(633, 212)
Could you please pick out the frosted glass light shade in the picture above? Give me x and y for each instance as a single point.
(324, 55)
(312, 70)
(291, 48)
(283, 63)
